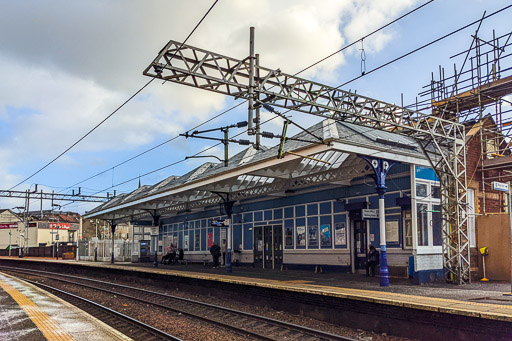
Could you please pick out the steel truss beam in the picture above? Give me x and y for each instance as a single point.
(443, 140)
(52, 196)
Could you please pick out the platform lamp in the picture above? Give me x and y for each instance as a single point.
(380, 169)
(10, 227)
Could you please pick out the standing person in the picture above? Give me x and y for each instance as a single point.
(223, 250)
(215, 251)
(373, 260)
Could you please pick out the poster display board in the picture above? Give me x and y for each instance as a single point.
(340, 234)
(392, 231)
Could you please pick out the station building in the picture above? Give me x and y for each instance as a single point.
(45, 230)
(314, 208)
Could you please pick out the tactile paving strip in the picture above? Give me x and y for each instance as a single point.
(50, 329)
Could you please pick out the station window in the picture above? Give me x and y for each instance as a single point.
(312, 209)
(313, 232)
(268, 215)
(300, 211)
(407, 229)
(288, 233)
(248, 217)
(288, 212)
(325, 232)
(340, 231)
(428, 215)
(258, 216)
(278, 213)
(248, 237)
(325, 208)
(300, 233)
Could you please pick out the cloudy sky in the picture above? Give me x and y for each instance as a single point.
(66, 65)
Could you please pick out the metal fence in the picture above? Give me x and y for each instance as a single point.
(101, 250)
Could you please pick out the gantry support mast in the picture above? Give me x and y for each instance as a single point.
(443, 140)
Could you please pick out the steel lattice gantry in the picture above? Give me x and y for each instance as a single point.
(443, 141)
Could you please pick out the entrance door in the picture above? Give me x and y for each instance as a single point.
(258, 246)
(278, 246)
(268, 247)
(360, 244)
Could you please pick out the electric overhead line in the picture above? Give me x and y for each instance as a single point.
(425, 45)
(224, 112)
(116, 110)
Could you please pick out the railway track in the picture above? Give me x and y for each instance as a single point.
(121, 322)
(244, 323)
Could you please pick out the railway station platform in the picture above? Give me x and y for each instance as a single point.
(29, 313)
(478, 307)
(478, 299)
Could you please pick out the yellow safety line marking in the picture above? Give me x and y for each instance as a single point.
(50, 329)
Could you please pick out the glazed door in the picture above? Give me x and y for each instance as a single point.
(360, 244)
(278, 246)
(258, 246)
(268, 247)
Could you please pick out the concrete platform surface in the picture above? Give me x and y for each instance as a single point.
(29, 313)
(479, 299)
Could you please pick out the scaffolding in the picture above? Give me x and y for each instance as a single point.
(475, 96)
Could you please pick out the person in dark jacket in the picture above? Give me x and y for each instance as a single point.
(373, 260)
(215, 251)
(181, 254)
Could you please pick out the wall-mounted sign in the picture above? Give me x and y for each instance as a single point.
(8, 226)
(61, 226)
(370, 213)
(154, 230)
(500, 186)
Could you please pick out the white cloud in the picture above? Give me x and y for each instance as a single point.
(70, 64)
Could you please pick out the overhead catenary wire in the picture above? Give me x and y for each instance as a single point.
(297, 73)
(373, 70)
(112, 113)
(424, 46)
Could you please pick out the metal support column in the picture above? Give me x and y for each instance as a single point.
(380, 168)
(113, 231)
(250, 129)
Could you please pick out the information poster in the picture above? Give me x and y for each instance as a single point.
(210, 239)
(392, 231)
(313, 236)
(301, 235)
(325, 235)
(185, 242)
(340, 234)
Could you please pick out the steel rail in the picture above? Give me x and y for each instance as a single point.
(80, 302)
(288, 326)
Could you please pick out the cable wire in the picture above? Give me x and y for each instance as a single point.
(297, 73)
(114, 112)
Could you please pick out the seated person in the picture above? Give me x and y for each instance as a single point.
(169, 257)
(180, 255)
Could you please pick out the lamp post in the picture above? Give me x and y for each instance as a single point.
(10, 228)
(380, 168)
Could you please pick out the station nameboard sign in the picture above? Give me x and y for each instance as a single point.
(61, 226)
(500, 186)
(8, 226)
(370, 213)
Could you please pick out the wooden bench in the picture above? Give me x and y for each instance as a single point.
(68, 255)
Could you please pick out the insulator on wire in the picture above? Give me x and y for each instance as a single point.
(241, 124)
(244, 142)
(267, 134)
(268, 107)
